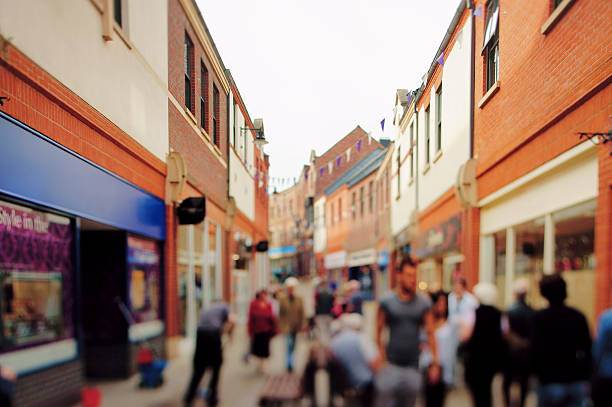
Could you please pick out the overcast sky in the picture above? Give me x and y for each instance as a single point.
(315, 69)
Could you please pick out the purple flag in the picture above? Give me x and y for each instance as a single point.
(409, 98)
(321, 171)
(382, 124)
(359, 145)
(440, 59)
(338, 160)
(256, 175)
(306, 176)
(478, 12)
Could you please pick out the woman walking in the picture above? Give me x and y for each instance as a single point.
(262, 327)
(446, 343)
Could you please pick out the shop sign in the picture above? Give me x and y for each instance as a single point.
(443, 237)
(36, 274)
(335, 260)
(362, 258)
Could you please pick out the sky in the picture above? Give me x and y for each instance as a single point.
(314, 70)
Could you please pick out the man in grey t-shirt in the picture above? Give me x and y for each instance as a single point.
(404, 313)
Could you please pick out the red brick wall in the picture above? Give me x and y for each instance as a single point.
(603, 231)
(43, 103)
(171, 282)
(542, 77)
(339, 149)
(182, 136)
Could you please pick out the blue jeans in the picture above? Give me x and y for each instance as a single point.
(561, 395)
(290, 341)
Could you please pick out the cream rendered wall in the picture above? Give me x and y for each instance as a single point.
(241, 183)
(455, 123)
(320, 233)
(402, 208)
(129, 87)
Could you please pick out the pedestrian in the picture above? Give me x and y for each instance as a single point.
(291, 318)
(561, 348)
(602, 355)
(354, 301)
(446, 343)
(8, 377)
(481, 330)
(404, 312)
(460, 301)
(214, 321)
(358, 357)
(324, 302)
(261, 327)
(520, 320)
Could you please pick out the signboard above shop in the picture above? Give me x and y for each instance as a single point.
(441, 238)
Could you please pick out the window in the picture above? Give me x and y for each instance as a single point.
(399, 163)
(331, 214)
(215, 122)
(427, 138)
(361, 201)
(354, 208)
(188, 72)
(117, 12)
(490, 46)
(439, 118)
(203, 97)
(412, 151)
(371, 197)
(235, 121)
(557, 2)
(339, 208)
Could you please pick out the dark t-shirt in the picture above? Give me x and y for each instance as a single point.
(404, 319)
(214, 317)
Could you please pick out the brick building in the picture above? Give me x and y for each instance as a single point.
(542, 77)
(82, 185)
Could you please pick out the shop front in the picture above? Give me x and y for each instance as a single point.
(439, 252)
(335, 267)
(243, 290)
(362, 266)
(76, 241)
(539, 228)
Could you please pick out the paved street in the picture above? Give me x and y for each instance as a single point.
(240, 383)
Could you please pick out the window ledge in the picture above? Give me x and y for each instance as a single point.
(492, 91)
(426, 169)
(438, 155)
(206, 136)
(217, 149)
(190, 115)
(122, 35)
(555, 16)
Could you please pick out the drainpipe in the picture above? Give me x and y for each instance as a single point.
(470, 6)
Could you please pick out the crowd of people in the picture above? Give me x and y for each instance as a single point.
(420, 340)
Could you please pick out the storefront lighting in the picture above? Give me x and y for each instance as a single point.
(235, 257)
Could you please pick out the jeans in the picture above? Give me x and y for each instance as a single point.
(290, 341)
(561, 395)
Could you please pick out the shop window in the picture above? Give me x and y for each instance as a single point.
(499, 240)
(575, 255)
(529, 257)
(36, 277)
(143, 266)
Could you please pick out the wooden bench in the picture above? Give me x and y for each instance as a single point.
(282, 389)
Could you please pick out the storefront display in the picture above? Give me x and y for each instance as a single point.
(36, 274)
(143, 268)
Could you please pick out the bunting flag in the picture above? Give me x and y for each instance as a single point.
(382, 124)
(266, 190)
(370, 138)
(338, 160)
(440, 59)
(478, 11)
(359, 145)
(256, 175)
(409, 98)
(348, 155)
(330, 166)
(321, 171)
(306, 176)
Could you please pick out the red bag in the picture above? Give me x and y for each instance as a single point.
(91, 397)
